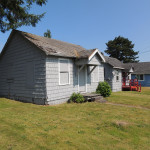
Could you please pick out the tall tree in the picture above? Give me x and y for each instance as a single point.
(47, 34)
(122, 49)
(15, 13)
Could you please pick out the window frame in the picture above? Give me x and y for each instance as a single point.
(139, 75)
(94, 73)
(63, 71)
(117, 75)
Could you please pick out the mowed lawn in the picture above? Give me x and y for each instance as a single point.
(87, 126)
(139, 99)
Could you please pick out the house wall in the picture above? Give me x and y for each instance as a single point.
(146, 81)
(117, 85)
(22, 72)
(110, 77)
(60, 93)
(91, 84)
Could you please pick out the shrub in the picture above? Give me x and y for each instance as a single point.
(76, 98)
(104, 89)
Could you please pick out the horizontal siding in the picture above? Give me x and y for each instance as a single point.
(60, 93)
(18, 53)
(95, 60)
(117, 85)
(111, 79)
(146, 81)
(91, 86)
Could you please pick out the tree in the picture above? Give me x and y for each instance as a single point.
(15, 13)
(122, 49)
(47, 34)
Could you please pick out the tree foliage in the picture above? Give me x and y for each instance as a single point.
(122, 49)
(48, 34)
(15, 13)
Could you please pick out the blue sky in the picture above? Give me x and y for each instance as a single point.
(92, 23)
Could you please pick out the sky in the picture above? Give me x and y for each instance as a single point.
(92, 23)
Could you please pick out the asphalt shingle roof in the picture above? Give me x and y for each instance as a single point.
(56, 47)
(114, 62)
(140, 68)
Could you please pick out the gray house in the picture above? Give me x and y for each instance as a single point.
(47, 71)
(116, 73)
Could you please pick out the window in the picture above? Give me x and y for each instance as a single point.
(96, 74)
(64, 76)
(140, 77)
(117, 75)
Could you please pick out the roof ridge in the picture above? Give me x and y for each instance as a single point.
(26, 33)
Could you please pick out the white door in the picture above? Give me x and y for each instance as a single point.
(82, 80)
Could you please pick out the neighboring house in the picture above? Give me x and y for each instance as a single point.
(46, 71)
(116, 73)
(141, 72)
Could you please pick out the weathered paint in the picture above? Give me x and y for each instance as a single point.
(19, 54)
(145, 82)
(60, 93)
(110, 77)
(27, 74)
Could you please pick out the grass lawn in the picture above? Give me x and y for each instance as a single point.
(134, 98)
(25, 126)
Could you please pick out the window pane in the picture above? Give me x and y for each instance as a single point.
(117, 78)
(64, 65)
(141, 77)
(64, 77)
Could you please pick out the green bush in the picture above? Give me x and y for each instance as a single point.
(104, 89)
(76, 98)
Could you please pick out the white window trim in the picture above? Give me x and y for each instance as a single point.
(117, 74)
(98, 75)
(59, 59)
(143, 77)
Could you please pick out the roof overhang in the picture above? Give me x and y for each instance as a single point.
(96, 52)
(118, 68)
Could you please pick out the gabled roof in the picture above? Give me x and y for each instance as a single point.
(140, 68)
(55, 47)
(115, 63)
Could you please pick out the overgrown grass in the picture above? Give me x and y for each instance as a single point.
(26, 126)
(132, 97)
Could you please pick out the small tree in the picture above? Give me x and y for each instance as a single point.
(122, 49)
(16, 13)
(47, 34)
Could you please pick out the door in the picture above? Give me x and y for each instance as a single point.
(82, 80)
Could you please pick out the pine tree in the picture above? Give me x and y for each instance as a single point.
(48, 34)
(122, 49)
(15, 13)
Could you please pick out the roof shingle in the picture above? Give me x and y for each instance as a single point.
(56, 47)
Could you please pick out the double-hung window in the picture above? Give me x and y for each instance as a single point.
(64, 74)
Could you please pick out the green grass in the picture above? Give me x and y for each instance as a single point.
(134, 98)
(88, 126)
